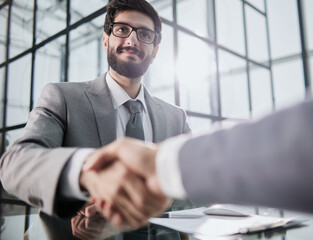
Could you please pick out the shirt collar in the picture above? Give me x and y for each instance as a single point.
(120, 96)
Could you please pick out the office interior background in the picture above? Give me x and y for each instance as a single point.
(223, 61)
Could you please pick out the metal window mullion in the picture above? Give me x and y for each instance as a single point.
(3, 4)
(67, 41)
(254, 7)
(58, 34)
(32, 78)
(270, 56)
(304, 53)
(6, 76)
(176, 80)
(247, 56)
(218, 79)
(27, 218)
(15, 127)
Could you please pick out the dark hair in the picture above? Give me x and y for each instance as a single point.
(116, 6)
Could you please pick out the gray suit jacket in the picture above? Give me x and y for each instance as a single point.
(268, 162)
(70, 116)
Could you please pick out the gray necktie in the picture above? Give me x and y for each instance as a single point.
(134, 126)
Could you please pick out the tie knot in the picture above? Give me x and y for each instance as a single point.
(133, 106)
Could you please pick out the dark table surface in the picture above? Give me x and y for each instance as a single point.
(22, 225)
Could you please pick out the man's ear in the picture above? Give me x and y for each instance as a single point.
(155, 51)
(105, 40)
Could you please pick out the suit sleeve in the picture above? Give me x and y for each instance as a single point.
(268, 162)
(31, 167)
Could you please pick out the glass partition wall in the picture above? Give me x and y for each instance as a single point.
(223, 61)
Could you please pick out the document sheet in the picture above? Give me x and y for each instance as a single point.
(218, 221)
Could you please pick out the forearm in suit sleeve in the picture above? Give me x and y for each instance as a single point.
(268, 162)
(31, 167)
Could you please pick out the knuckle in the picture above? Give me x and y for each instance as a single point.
(141, 202)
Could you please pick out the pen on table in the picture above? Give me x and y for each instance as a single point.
(171, 215)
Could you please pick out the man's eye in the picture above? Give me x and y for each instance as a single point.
(121, 30)
(145, 35)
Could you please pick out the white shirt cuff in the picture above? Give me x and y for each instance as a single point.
(69, 181)
(167, 167)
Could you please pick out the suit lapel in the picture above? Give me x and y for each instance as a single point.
(102, 106)
(156, 114)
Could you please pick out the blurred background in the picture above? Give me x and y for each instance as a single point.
(223, 61)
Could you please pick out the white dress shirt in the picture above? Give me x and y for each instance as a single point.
(167, 167)
(119, 97)
(70, 176)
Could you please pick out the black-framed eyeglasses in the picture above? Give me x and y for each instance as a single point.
(123, 30)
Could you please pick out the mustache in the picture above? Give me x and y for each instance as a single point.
(135, 50)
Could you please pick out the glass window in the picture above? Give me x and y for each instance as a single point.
(19, 90)
(193, 15)
(230, 31)
(284, 28)
(164, 8)
(48, 65)
(227, 123)
(257, 36)
(308, 16)
(261, 92)
(13, 222)
(12, 136)
(160, 76)
(234, 86)
(35, 230)
(21, 32)
(83, 8)
(86, 53)
(196, 69)
(288, 82)
(198, 124)
(51, 18)
(98, 23)
(3, 32)
(259, 4)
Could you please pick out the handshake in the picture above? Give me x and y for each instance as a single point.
(122, 181)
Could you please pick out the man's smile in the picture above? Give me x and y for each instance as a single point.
(130, 51)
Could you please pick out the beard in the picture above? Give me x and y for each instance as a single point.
(128, 68)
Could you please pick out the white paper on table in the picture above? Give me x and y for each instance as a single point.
(228, 223)
(237, 225)
(185, 225)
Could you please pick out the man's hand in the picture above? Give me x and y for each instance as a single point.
(137, 155)
(120, 195)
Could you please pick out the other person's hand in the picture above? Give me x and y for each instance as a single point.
(120, 195)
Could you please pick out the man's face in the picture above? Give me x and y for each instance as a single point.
(128, 56)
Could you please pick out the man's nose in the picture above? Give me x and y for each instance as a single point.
(132, 39)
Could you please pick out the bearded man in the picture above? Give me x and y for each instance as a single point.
(73, 120)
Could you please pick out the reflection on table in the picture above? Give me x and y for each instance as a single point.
(41, 226)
